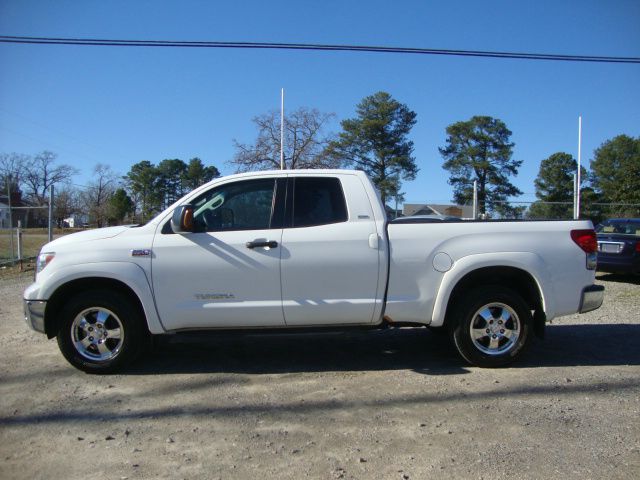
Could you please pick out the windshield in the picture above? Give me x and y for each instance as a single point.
(623, 226)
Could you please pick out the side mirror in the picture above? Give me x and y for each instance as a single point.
(182, 219)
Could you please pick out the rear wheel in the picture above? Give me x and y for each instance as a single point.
(492, 327)
(101, 331)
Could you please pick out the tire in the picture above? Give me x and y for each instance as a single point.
(101, 331)
(491, 327)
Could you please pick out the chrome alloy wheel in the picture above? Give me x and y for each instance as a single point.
(97, 334)
(495, 328)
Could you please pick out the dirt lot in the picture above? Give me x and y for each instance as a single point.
(397, 404)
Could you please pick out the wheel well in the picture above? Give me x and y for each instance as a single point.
(517, 280)
(60, 297)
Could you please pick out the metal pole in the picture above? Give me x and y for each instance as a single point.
(282, 130)
(475, 199)
(19, 237)
(51, 213)
(577, 215)
(10, 215)
(395, 210)
(575, 197)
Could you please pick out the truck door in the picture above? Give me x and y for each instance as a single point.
(227, 272)
(330, 253)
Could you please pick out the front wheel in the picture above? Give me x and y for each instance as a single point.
(491, 327)
(101, 331)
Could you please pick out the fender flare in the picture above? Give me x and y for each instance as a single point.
(130, 274)
(528, 262)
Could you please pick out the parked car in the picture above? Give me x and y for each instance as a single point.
(619, 245)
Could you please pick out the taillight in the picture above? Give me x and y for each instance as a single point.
(637, 247)
(588, 242)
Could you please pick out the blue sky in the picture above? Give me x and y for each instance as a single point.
(123, 105)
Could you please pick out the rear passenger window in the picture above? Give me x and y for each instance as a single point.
(318, 201)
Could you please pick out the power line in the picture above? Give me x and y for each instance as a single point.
(313, 47)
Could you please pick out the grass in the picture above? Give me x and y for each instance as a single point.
(8, 272)
(32, 241)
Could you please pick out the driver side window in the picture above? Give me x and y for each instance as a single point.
(246, 205)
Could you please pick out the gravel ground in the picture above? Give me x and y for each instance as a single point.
(396, 404)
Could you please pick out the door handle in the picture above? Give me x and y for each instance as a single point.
(261, 243)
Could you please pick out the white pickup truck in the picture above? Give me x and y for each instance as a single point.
(307, 249)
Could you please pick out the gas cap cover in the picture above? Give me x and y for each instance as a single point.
(442, 262)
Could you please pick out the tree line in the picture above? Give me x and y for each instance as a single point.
(375, 140)
(107, 199)
(153, 188)
(478, 150)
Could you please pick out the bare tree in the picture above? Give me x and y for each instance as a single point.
(65, 203)
(304, 139)
(40, 173)
(96, 197)
(11, 172)
(13, 165)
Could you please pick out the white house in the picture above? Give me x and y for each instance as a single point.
(75, 221)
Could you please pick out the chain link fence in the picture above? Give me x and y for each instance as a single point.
(23, 231)
(594, 211)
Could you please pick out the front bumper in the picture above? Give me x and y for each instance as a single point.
(592, 298)
(34, 314)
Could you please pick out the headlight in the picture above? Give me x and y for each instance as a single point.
(43, 260)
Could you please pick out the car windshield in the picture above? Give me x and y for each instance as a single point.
(627, 227)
